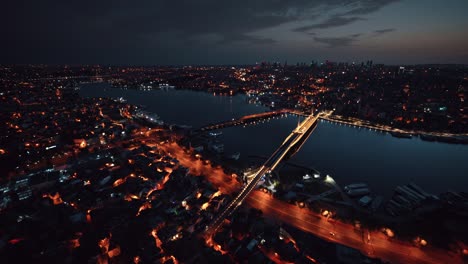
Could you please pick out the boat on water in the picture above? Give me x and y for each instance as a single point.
(215, 133)
(427, 137)
(166, 86)
(235, 156)
(401, 135)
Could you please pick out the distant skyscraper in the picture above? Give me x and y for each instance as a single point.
(401, 70)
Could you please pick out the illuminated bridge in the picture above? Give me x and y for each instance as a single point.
(248, 119)
(289, 147)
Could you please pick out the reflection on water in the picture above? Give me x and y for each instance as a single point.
(348, 154)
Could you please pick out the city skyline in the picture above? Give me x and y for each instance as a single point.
(252, 131)
(211, 33)
(252, 164)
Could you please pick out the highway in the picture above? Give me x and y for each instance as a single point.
(371, 243)
(299, 133)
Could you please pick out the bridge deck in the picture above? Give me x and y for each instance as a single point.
(280, 153)
(249, 118)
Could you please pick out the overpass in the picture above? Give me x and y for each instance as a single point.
(288, 148)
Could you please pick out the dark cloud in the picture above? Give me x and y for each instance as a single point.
(243, 38)
(350, 39)
(338, 41)
(356, 35)
(149, 31)
(334, 21)
(383, 31)
(344, 18)
(367, 6)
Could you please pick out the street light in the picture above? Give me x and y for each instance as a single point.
(329, 179)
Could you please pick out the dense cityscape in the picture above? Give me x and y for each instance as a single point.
(259, 131)
(97, 179)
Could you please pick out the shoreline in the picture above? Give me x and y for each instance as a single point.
(449, 138)
(442, 137)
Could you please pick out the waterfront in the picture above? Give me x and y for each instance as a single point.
(348, 154)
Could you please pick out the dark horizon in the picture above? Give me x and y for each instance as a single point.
(392, 32)
(307, 63)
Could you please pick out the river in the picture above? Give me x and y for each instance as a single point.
(348, 154)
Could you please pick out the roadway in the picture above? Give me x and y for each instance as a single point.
(243, 120)
(289, 143)
(379, 245)
(371, 243)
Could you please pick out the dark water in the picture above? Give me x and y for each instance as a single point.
(346, 153)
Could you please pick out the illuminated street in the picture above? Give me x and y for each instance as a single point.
(260, 131)
(289, 147)
(379, 245)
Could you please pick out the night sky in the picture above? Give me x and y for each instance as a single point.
(174, 32)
